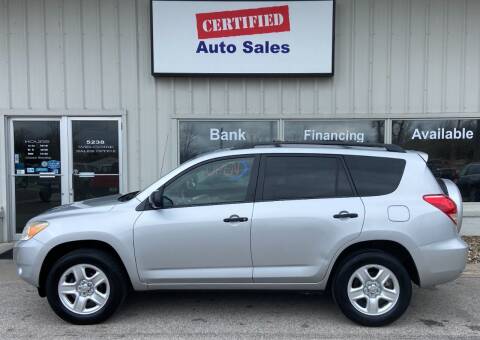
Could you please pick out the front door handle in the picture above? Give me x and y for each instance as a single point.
(235, 219)
(345, 214)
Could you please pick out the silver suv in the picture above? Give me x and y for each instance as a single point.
(363, 222)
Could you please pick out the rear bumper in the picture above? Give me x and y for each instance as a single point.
(441, 262)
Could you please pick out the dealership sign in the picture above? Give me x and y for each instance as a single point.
(242, 37)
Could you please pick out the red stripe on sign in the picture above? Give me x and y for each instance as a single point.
(243, 22)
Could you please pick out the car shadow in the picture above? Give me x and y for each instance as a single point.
(218, 304)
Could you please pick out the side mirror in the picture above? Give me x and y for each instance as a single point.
(155, 199)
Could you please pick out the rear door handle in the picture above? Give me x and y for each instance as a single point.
(235, 219)
(345, 214)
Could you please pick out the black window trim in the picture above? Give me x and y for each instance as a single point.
(261, 176)
(145, 205)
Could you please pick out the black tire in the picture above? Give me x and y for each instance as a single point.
(100, 259)
(371, 257)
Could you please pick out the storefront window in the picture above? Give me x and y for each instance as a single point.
(199, 137)
(452, 146)
(359, 131)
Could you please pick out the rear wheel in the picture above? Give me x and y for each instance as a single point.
(372, 288)
(86, 286)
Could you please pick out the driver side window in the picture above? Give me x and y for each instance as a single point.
(217, 182)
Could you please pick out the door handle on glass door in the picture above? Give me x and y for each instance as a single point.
(235, 219)
(47, 175)
(86, 174)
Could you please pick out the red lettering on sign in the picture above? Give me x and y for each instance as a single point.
(243, 22)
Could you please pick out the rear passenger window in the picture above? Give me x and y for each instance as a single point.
(303, 177)
(375, 176)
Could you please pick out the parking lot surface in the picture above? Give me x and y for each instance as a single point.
(446, 311)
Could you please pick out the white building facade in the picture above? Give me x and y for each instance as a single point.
(81, 114)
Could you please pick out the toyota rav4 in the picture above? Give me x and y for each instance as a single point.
(361, 221)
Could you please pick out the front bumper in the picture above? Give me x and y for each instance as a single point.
(28, 258)
(442, 261)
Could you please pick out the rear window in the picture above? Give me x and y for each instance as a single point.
(375, 176)
(304, 177)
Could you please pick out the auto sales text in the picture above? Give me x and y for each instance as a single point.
(247, 48)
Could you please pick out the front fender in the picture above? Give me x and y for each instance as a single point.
(122, 246)
(112, 227)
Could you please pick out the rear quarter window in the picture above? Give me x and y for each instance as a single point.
(375, 176)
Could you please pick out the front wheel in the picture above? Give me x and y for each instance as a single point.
(372, 288)
(86, 286)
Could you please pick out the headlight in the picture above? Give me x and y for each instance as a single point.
(33, 229)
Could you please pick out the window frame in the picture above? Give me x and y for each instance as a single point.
(262, 168)
(250, 189)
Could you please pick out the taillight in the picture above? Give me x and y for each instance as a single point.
(445, 204)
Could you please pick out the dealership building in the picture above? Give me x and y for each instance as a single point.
(99, 97)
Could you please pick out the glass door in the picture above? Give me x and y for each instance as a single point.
(95, 157)
(36, 168)
(55, 161)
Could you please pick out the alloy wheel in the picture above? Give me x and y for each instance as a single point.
(83, 289)
(373, 290)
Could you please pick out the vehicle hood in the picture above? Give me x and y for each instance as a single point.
(100, 204)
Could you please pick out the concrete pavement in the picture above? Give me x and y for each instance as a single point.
(447, 311)
(470, 226)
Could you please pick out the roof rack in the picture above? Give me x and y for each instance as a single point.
(279, 144)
